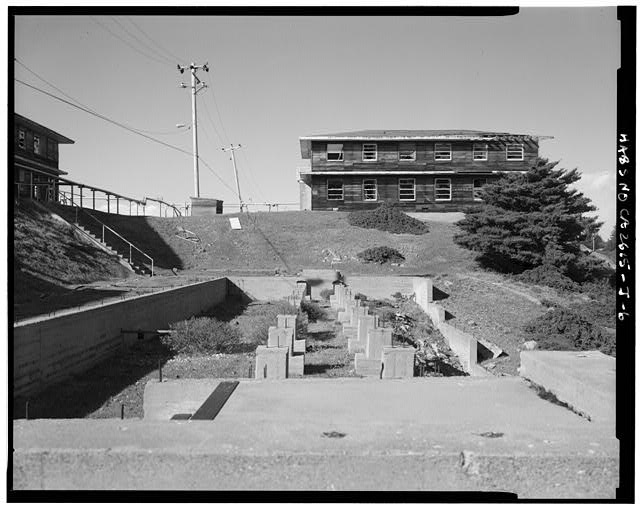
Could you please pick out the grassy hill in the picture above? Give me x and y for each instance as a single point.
(288, 241)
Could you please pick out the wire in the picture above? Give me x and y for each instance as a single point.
(121, 125)
(215, 102)
(128, 43)
(206, 110)
(156, 43)
(153, 50)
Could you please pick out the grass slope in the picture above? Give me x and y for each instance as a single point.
(290, 240)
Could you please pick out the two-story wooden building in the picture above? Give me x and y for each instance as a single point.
(419, 170)
(35, 159)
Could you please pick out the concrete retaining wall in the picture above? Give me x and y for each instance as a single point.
(262, 288)
(48, 350)
(463, 345)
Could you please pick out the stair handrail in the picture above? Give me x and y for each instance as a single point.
(105, 226)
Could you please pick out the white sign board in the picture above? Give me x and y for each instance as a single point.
(235, 223)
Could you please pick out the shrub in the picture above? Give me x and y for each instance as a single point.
(549, 276)
(360, 296)
(313, 310)
(387, 218)
(202, 335)
(325, 293)
(381, 254)
(565, 329)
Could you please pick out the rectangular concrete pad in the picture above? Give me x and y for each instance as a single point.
(585, 380)
(367, 367)
(398, 362)
(275, 359)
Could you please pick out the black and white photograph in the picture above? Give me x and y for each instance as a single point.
(305, 253)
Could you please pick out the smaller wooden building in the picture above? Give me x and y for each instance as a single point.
(35, 159)
(418, 170)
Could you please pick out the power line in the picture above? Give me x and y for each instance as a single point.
(154, 42)
(206, 110)
(153, 50)
(215, 103)
(128, 43)
(121, 125)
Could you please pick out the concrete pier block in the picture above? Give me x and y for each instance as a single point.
(377, 339)
(367, 367)
(344, 317)
(398, 362)
(354, 345)
(423, 290)
(296, 366)
(276, 361)
(333, 301)
(299, 346)
(288, 321)
(585, 380)
(365, 322)
(280, 337)
(302, 288)
(350, 331)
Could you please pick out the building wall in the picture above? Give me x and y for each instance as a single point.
(461, 192)
(461, 157)
(46, 156)
(48, 350)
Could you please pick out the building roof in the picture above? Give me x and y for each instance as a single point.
(413, 135)
(37, 126)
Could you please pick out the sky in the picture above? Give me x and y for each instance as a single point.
(544, 71)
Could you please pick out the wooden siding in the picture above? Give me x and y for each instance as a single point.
(28, 151)
(461, 192)
(461, 157)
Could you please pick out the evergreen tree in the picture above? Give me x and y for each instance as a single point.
(530, 219)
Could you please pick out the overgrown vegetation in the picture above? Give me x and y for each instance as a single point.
(202, 335)
(388, 218)
(566, 329)
(530, 220)
(313, 310)
(325, 293)
(381, 255)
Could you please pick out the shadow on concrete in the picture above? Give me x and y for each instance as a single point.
(33, 296)
(86, 392)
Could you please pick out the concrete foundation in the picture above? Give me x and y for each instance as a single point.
(288, 321)
(377, 339)
(367, 367)
(280, 337)
(275, 359)
(423, 290)
(585, 380)
(350, 331)
(463, 344)
(296, 366)
(354, 345)
(398, 362)
(299, 346)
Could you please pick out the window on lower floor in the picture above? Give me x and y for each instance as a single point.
(335, 153)
(443, 189)
(515, 152)
(370, 190)
(480, 152)
(442, 151)
(477, 188)
(369, 152)
(335, 190)
(407, 189)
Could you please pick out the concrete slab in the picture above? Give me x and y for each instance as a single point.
(296, 366)
(365, 322)
(272, 435)
(585, 380)
(376, 340)
(299, 346)
(367, 367)
(288, 321)
(280, 337)
(271, 362)
(398, 362)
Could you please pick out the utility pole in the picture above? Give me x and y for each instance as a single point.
(232, 149)
(196, 86)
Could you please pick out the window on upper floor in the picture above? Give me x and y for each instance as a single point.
(406, 152)
(442, 151)
(477, 188)
(480, 152)
(515, 152)
(370, 190)
(443, 189)
(36, 145)
(335, 190)
(407, 189)
(52, 150)
(335, 153)
(369, 152)
(22, 139)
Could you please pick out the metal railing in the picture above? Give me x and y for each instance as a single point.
(105, 228)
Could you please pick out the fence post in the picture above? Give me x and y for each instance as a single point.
(129, 253)
(103, 233)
